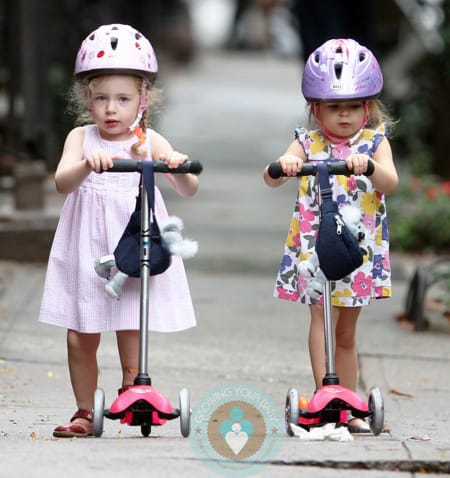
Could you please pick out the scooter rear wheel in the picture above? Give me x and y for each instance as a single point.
(376, 410)
(185, 412)
(291, 413)
(99, 410)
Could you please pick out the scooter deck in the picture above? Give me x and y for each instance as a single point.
(330, 404)
(142, 404)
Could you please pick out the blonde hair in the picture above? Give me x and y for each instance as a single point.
(378, 115)
(78, 106)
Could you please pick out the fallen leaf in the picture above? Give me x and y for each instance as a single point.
(435, 305)
(393, 391)
(421, 437)
(402, 318)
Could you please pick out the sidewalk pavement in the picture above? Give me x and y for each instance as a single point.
(235, 114)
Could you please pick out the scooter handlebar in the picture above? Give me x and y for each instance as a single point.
(135, 165)
(309, 169)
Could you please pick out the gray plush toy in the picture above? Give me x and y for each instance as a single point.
(170, 228)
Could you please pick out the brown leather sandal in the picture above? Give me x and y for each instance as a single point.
(76, 429)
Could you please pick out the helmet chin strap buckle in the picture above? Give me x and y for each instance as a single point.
(143, 104)
(135, 123)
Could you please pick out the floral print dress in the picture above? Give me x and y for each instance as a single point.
(373, 278)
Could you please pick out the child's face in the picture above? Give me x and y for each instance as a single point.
(114, 103)
(342, 119)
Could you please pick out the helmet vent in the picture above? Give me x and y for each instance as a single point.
(339, 50)
(362, 56)
(317, 58)
(114, 42)
(338, 70)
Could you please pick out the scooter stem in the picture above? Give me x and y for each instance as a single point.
(330, 375)
(142, 376)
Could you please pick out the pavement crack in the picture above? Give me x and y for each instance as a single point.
(408, 451)
(52, 363)
(410, 465)
(420, 358)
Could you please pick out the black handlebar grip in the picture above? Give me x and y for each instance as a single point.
(192, 167)
(370, 168)
(340, 168)
(135, 165)
(275, 170)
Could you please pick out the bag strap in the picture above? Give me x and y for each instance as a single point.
(324, 181)
(149, 182)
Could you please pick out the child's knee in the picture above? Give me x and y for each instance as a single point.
(345, 339)
(82, 343)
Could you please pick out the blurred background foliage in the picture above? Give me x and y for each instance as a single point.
(422, 135)
(419, 212)
(419, 218)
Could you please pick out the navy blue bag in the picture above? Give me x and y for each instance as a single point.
(337, 249)
(128, 251)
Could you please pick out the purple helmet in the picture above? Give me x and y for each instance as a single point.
(113, 48)
(341, 70)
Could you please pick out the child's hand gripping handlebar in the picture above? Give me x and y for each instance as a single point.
(135, 165)
(310, 169)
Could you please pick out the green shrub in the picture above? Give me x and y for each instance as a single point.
(419, 215)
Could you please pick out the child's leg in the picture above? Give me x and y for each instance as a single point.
(82, 356)
(347, 358)
(346, 361)
(345, 353)
(316, 343)
(128, 345)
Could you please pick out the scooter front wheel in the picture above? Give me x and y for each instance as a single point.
(291, 412)
(185, 412)
(99, 410)
(376, 410)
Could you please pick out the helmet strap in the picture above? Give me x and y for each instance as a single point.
(135, 126)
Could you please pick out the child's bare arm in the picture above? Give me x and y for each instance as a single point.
(384, 177)
(72, 169)
(184, 184)
(291, 163)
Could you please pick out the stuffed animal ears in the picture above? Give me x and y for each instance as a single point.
(350, 214)
(171, 228)
(186, 248)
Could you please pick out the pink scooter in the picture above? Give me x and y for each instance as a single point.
(142, 404)
(331, 402)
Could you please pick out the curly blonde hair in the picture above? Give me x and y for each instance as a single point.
(77, 106)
